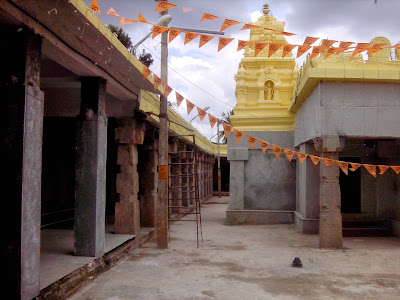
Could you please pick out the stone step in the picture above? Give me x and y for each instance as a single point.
(366, 223)
(366, 232)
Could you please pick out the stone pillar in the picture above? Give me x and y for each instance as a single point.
(148, 183)
(330, 223)
(237, 158)
(127, 210)
(90, 175)
(21, 130)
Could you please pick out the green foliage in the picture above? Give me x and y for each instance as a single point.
(225, 118)
(146, 59)
(124, 38)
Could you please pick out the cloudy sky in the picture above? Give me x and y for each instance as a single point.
(206, 77)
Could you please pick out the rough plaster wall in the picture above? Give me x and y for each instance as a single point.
(357, 109)
(269, 182)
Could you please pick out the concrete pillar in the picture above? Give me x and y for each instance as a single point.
(237, 158)
(90, 174)
(21, 130)
(127, 211)
(330, 223)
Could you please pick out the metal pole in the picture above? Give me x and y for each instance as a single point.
(162, 204)
(219, 165)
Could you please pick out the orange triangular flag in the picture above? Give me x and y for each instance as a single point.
(249, 26)
(142, 19)
(289, 153)
(207, 17)
(223, 42)
(287, 33)
(146, 72)
(185, 9)
(328, 161)
(375, 48)
(371, 169)
(344, 166)
(201, 113)
(396, 169)
(251, 140)
(259, 47)
(327, 43)
(302, 49)
(287, 48)
(167, 90)
(382, 169)
(179, 98)
(158, 30)
(189, 106)
(112, 12)
(162, 5)
(360, 48)
(343, 46)
(277, 150)
(242, 44)
(316, 50)
(227, 129)
(213, 120)
(126, 21)
(204, 39)
(228, 23)
(95, 6)
(264, 145)
(190, 36)
(310, 40)
(238, 135)
(157, 81)
(330, 51)
(301, 156)
(173, 33)
(273, 47)
(315, 159)
(354, 166)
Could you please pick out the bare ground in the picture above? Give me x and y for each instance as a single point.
(251, 262)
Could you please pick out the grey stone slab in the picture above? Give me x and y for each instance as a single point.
(238, 154)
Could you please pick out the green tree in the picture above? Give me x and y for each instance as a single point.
(225, 118)
(146, 59)
(124, 38)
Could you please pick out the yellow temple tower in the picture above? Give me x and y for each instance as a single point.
(265, 86)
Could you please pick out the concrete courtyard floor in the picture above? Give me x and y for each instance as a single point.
(251, 262)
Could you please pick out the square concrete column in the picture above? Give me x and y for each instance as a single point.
(21, 131)
(330, 223)
(91, 158)
(237, 158)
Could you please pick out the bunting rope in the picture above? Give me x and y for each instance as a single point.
(277, 150)
(326, 44)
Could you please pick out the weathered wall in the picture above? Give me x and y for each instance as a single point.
(260, 180)
(357, 109)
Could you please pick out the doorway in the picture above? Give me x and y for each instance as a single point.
(350, 188)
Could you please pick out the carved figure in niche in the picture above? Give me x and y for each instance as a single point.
(269, 90)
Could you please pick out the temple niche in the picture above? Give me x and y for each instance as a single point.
(269, 90)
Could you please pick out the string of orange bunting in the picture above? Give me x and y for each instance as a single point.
(277, 150)
(344, 166)
(326, 44)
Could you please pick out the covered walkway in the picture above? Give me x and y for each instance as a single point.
(251, 262)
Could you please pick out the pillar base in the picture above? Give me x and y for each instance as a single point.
(127, 217)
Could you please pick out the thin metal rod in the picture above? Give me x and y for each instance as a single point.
(199, 30)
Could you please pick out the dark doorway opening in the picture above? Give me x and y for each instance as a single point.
(350, 188)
